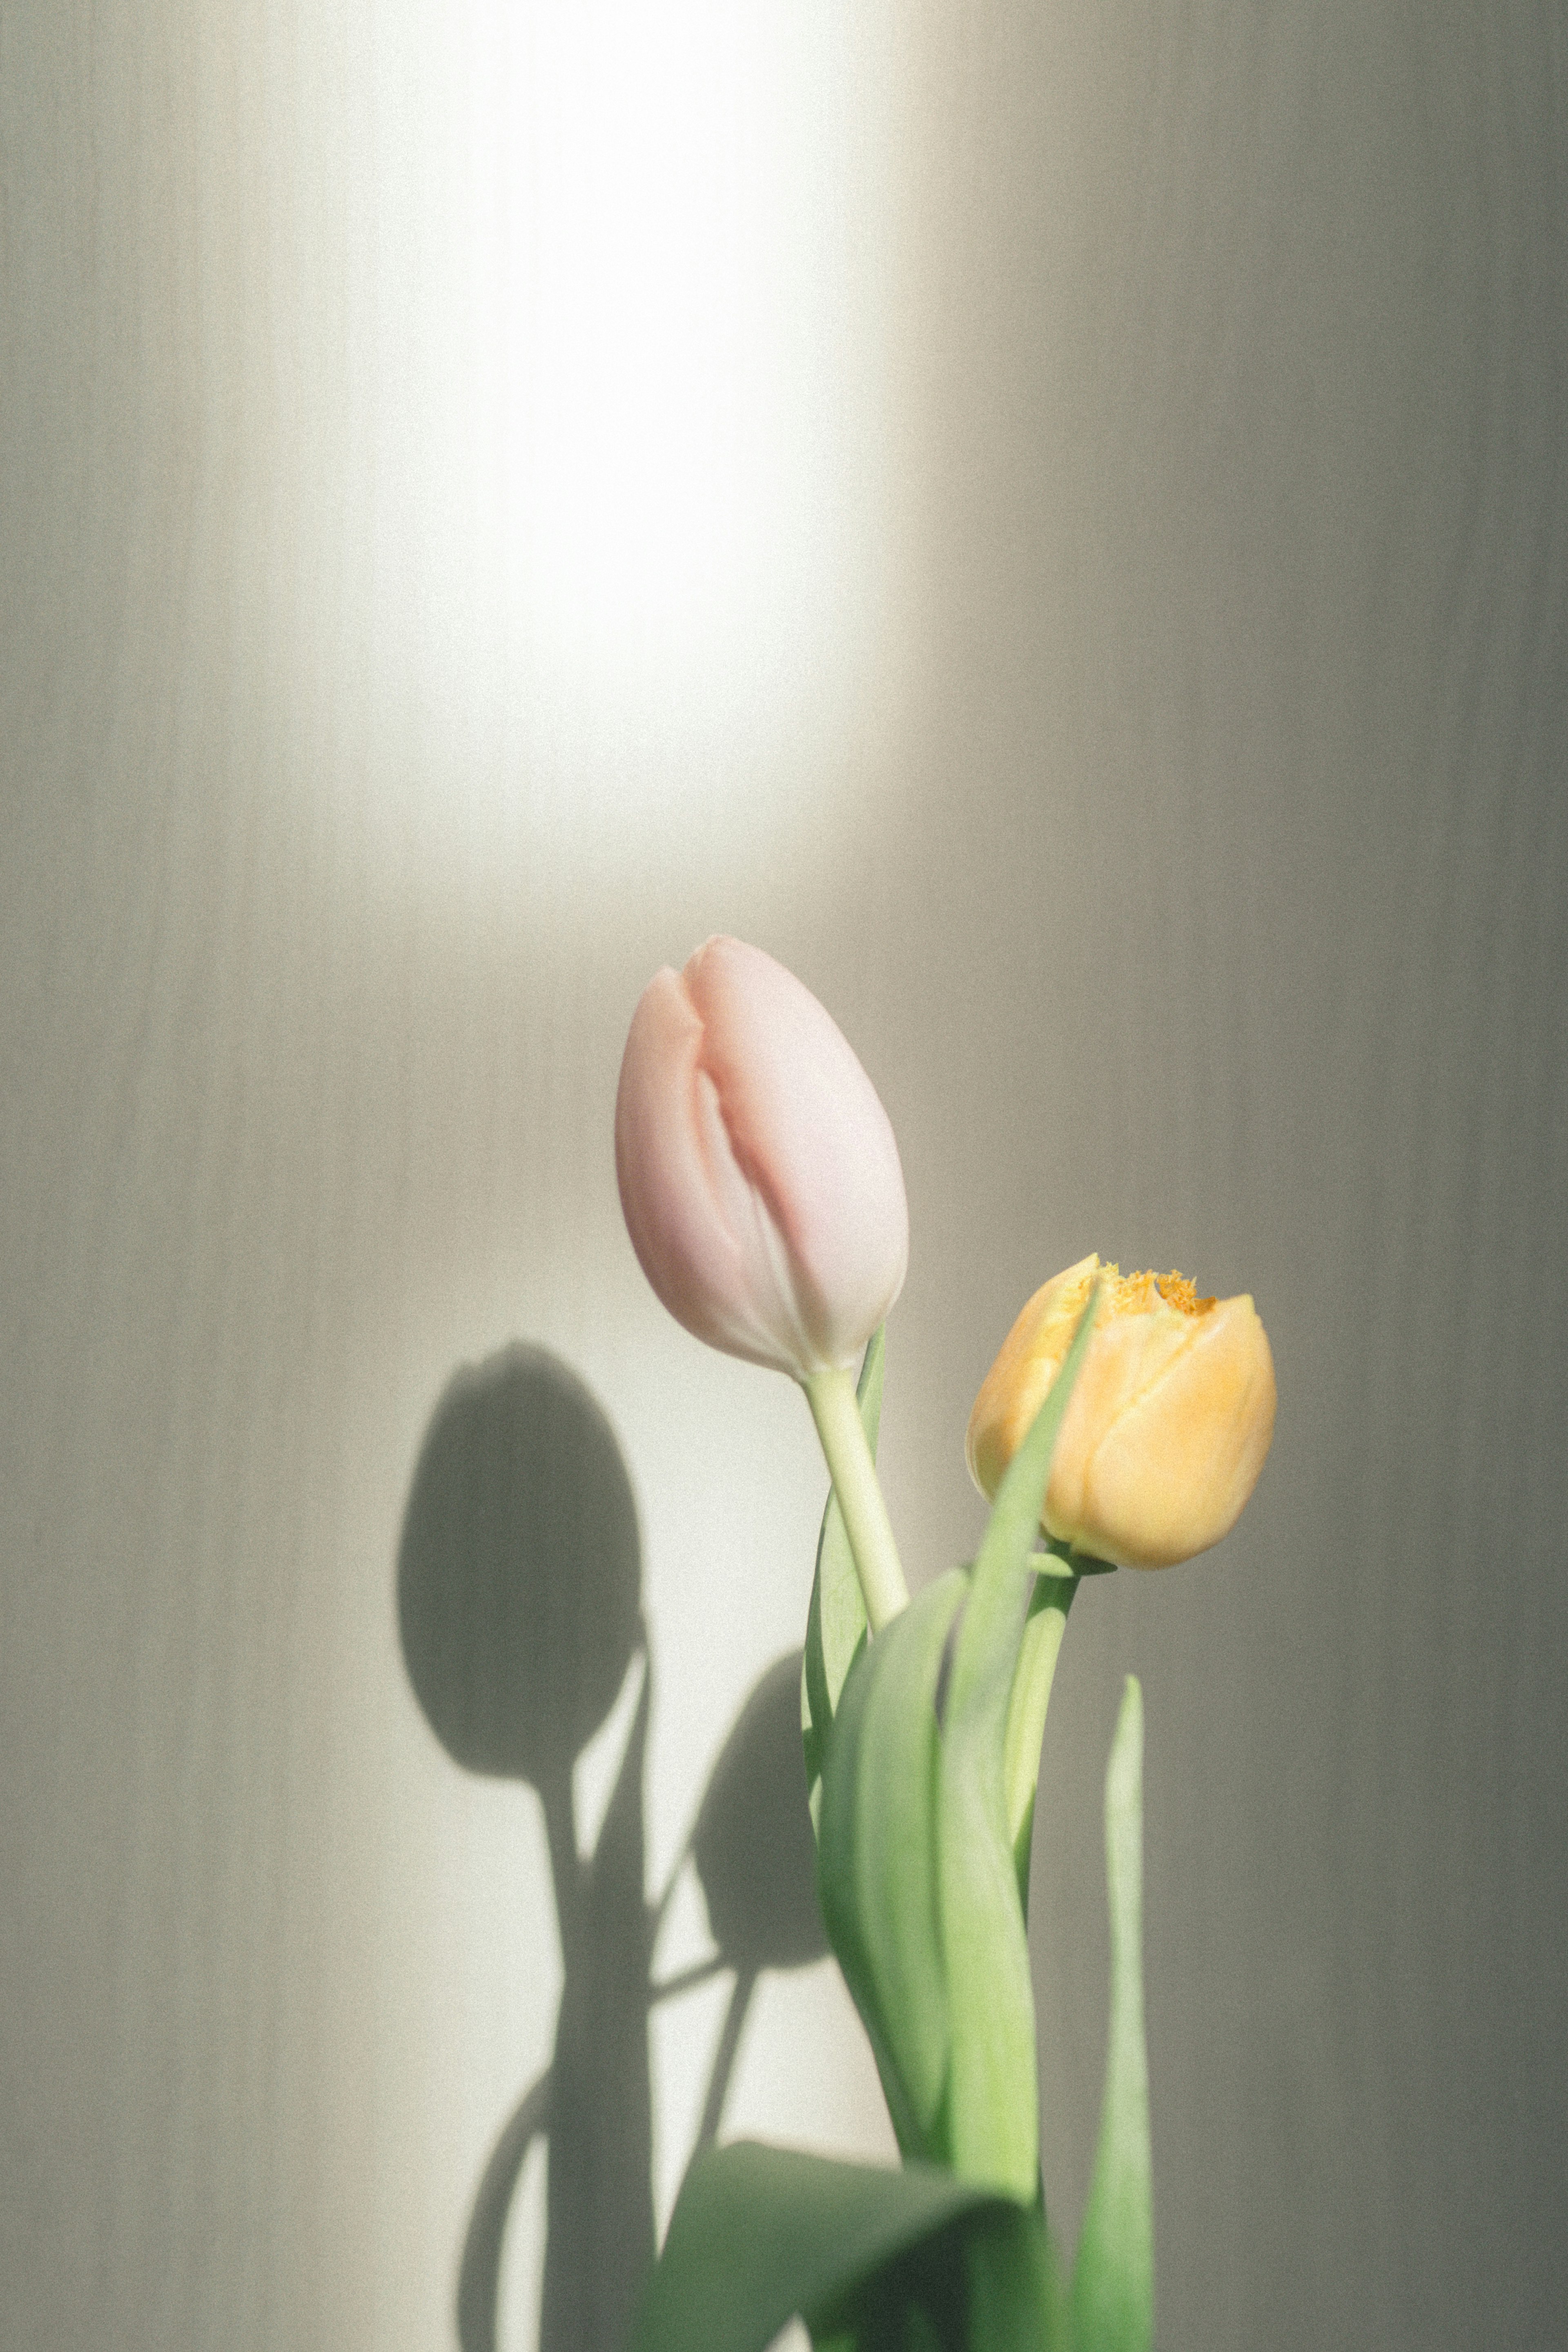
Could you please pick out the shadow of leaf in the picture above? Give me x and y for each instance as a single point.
(519, 1605)
(479, 2275)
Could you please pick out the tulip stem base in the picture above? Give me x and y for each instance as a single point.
(836, 1412)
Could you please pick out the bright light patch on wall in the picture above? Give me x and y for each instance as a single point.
(659, 357)
(622, 412)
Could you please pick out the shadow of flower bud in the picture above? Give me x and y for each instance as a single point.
(518, 1573)
(752, 1846)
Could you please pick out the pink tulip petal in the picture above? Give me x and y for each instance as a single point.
(757, 1172)
(809, 1133)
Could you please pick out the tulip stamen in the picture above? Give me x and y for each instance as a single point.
(1134, 1294)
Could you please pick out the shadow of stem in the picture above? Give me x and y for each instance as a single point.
(519, 1589)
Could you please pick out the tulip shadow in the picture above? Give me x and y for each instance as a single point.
(519, 1595)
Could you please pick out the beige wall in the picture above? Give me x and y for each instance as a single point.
(1097, 611)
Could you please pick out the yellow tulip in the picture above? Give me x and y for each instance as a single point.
(1168, 1425)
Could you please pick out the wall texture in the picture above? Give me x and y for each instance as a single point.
(1122, 667)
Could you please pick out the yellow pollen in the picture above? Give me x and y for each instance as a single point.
(1177, 1291)
(1137, 1293)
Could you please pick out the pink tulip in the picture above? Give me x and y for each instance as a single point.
(757, 1172)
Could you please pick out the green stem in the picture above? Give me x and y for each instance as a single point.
(1031, 1680)
(836, 1412)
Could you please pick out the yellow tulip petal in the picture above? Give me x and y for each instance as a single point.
(1169, 1423)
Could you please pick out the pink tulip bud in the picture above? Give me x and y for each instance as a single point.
(757, 1172)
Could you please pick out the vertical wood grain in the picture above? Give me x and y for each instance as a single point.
(1189, 865)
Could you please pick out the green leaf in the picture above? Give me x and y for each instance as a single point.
(877, 1857)
(992, 2118)
(1113, 2279)
(988, 2282)
(1014, 2290)
(1044, 1626)
(836, 1630)
(760, 2235)
(1020, 1498)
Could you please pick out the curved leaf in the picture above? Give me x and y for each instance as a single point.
(761, 2235)
(988, 2281)
(1014, 2290)
(877, 1857)
(992, 2117)
(1044, 1625)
